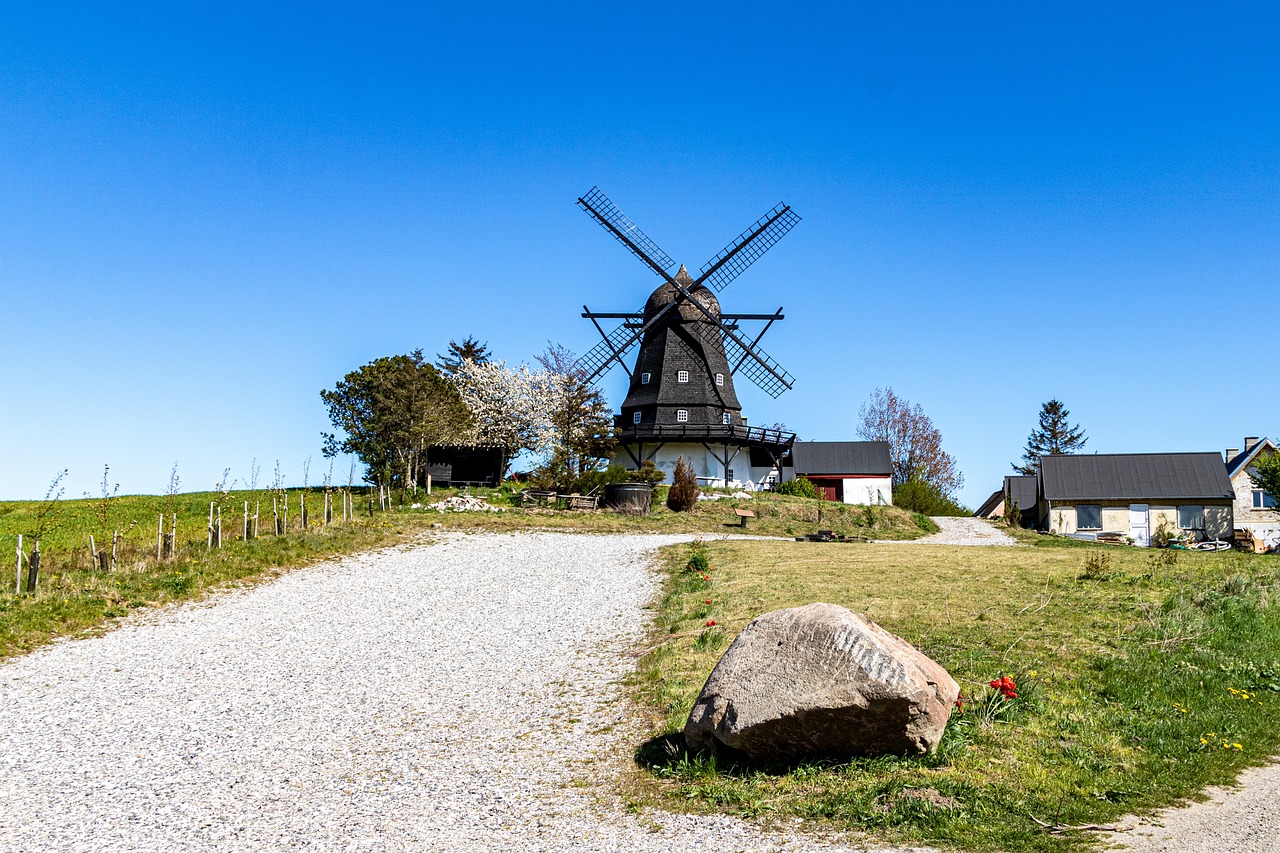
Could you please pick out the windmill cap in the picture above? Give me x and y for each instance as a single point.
(666, 293)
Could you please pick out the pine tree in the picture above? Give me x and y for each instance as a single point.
(470, 349)
(683, 495)
(1054, 436)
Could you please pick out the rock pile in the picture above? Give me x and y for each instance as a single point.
(820, 681)
(463, 503)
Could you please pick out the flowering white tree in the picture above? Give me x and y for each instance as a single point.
(511, 406)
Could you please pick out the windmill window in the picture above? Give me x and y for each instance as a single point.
(644, 380)
(720, 380)
(682, 376)
(682, 416)
(1263, 500)
(635, 417)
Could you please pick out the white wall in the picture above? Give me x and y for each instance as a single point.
(708, 469)
(868, 490)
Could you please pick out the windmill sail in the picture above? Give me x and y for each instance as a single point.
(626, 232)
(747, 247)
(749, 359)
(615, 346)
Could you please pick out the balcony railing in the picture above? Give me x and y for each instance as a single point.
(733, 433)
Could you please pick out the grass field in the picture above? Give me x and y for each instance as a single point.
(1143, 676)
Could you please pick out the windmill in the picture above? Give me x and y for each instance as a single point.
(681, 395)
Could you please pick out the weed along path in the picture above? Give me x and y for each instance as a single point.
(461, 695)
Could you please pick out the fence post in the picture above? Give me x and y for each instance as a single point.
(208, 539)
(160, 538)
(33, 567)
(173, 535)
(219, 527)
(17, 572)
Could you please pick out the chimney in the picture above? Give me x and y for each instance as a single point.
(1230, 453)
(1249, 442)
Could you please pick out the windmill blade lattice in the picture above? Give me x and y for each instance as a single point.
(747, 248)
(615, 346)
(606, 213)
(772, 383)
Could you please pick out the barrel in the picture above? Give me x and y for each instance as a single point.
(631, 498)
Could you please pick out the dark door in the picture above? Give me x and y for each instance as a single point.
(829, 488)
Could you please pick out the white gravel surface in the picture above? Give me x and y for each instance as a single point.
(457, 696)
(959, 530)
(1244, 818)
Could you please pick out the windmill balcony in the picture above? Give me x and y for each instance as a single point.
(736, 434)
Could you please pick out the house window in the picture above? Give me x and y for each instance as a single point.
(1263, 500)
(682, 376)
(682, 416)
(644, 379)
(719, 379)
(635, 418)
(725, 418)
(1088, 517)
(1191, 517)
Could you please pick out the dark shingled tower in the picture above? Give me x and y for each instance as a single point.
(685, 345)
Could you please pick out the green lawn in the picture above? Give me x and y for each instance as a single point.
(1143, 675)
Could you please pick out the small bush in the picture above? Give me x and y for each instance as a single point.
(1097, 566)
(683, 495)
(1164, 535)
(919, 496)
(592, 480)
(647, 473)
(800, 487)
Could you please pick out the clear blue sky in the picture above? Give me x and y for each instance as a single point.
(206, 217)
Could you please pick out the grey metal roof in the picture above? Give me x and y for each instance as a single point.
(841, 457)
(1241, 460)
(1023, 489)
(989, 505)
(1134, 476)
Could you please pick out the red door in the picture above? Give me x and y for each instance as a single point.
(828, 488)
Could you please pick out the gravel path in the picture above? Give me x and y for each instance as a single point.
(1241, 819)
(960, 530)
(457, 696)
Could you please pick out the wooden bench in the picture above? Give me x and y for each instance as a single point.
(743, 515)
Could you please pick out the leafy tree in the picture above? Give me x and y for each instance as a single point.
(581, 420)
(389, 411)
(452, 358)
(684, 491)
(510, 407)
(1265, 473)
(1053, 436)
(915, 444)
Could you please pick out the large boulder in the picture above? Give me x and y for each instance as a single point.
(821, 681)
